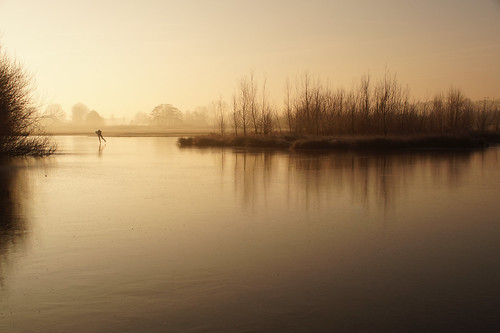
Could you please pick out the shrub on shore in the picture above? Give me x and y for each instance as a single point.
(20, 133)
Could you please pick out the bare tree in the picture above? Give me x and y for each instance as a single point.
(459, 109)
(20, 132)
(288, 107)
(485, 115)
(252, 99)
(219, 108)
(387, 101)
(364, 100)
(267, 113)
(243, 107)
(55, 113)
(236, 117)
(352, 110)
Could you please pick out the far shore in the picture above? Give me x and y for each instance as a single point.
(130, 131)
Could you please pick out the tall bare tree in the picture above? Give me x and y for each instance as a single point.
(288, 107)
(243, 105)
(236, 117)
(253, 104)
(219, 108)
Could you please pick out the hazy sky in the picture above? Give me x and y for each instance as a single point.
(123, 57)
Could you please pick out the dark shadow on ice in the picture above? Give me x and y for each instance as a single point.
(13, 227)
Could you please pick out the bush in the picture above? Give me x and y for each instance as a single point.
(20, 133)
(183, 142)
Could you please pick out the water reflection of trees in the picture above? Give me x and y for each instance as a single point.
(253, 174)
(13, 226)
(368, 179)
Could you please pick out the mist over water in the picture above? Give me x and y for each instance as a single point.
(140, 235)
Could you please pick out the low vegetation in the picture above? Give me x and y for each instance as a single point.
(20, 133)
(400, 142)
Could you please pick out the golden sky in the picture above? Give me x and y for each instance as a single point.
(123, 57)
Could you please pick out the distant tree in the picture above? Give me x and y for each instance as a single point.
(166, 115)
(54, 113)
(20, 132)
(437, 115)
(198, 118)
(253, 104)
(290, 118)
(268, 119)
(364, 93)
(242, 112)
(79, 113)
(219, 108)
(236, 118)
(459, 111)
(94, 119)
(141, 119)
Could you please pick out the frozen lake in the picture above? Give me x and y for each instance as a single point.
(139, 235)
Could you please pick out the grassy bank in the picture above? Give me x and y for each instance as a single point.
(472, 140)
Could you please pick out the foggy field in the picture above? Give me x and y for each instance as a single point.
(129, 130)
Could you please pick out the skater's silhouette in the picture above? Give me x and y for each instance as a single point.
(99, 135)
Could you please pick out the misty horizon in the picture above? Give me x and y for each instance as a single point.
(138, 55)
(219, 113)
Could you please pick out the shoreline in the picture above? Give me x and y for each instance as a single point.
(343, 143)
(202, 138)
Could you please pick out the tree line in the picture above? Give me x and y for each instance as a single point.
(371, 107)
(162, 115)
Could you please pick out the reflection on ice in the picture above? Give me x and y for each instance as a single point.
(13, 224)
(371, 180)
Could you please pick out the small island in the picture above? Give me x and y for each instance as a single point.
(361, 143)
